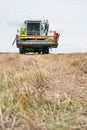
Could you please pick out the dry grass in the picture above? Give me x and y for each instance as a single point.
(43, 92)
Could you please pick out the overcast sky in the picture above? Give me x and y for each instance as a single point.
(67, 17)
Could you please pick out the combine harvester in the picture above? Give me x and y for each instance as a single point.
(34, 37)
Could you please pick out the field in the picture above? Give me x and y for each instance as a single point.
(43, 92)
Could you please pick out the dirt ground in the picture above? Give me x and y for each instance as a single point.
(59, 81)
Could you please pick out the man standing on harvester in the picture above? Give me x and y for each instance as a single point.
(46, 26)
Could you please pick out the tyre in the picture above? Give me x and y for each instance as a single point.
(45, 50)
(21, 50)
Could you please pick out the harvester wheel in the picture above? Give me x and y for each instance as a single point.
(45, 50)
(21, 50)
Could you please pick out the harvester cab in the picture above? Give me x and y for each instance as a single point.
(33, 37)
(33, 28)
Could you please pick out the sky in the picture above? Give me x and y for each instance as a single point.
(67, 17)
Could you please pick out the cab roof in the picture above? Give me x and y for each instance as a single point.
(32, 21)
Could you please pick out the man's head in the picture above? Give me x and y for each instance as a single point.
(47, 21)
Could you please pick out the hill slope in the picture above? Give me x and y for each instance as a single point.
(43, 92)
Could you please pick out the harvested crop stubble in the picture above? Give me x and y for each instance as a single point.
(43, 92)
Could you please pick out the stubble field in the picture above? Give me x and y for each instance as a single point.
(43, 92)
